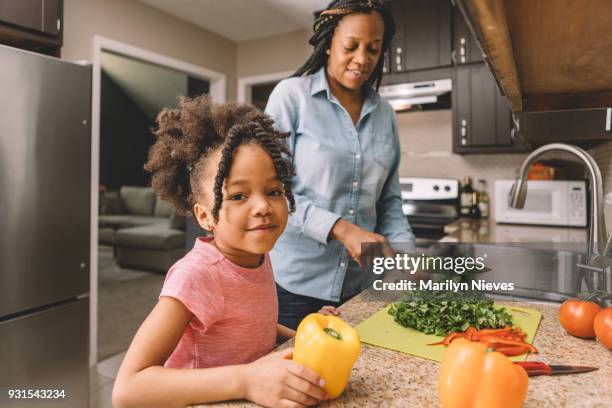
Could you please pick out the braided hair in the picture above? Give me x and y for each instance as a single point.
(326, 23)
(188, 135)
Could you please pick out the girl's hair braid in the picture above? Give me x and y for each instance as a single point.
(255, 133)
(276, 150)
(188, 135)
(234, 137)
(326, 23)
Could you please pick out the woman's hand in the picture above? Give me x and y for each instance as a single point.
(276, 381)
(283, 333)
(353, 236)
(329, 311)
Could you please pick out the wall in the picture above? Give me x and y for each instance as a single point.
(273, 54)
(142, 26)
(426, 141)
(151, 87)
(603, 156)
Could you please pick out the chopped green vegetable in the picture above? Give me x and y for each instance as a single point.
(441, 313)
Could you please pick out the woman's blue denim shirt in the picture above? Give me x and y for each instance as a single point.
(341, 171)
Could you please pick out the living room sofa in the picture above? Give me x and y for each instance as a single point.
(146, 232)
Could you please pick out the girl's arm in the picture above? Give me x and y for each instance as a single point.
(143, 381)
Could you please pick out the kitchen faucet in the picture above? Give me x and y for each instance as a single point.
(598, 242)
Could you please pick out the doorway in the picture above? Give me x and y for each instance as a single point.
(130, 85)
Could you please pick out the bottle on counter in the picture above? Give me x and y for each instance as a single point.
(483, 199)
(467, 197)
(475, 210)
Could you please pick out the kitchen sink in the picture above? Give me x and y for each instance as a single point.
(540, 271)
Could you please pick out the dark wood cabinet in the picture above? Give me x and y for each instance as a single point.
(22, 13)
(52, 16)
(482, 120)
(465, 48)
(583, 126)
(422, 35)
(35, 25)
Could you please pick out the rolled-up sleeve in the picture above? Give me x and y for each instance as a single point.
(313, 221)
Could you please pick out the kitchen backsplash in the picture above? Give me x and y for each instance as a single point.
(603, 156)
(426, 140)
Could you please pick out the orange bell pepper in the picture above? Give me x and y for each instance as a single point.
(329, 346)
(472, 376)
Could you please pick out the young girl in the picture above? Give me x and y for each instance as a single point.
(209, 336)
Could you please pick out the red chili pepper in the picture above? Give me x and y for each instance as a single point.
(495, 342)
(509, 341)
(448, 339)
(469, 333)
(512, 350)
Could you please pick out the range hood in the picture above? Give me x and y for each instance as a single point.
(406, 96)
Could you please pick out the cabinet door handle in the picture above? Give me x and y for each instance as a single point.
(385, 67)
(462, 49)
(398, 58)
(516, 127)
(608, 118)
(463, 132)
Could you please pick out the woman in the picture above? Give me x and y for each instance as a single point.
(346, 155)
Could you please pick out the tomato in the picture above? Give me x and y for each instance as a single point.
(577, 317)
(603, 327)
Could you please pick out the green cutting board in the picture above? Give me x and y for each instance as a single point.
(381, 330)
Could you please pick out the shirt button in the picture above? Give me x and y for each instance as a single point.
(355, 184)
(351, 211)
(342, 264)
(358, 156)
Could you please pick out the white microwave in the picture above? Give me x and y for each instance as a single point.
(554, 202)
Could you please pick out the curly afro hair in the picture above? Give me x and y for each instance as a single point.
(188, 135)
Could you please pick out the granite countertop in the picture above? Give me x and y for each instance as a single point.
(391, 379)
(485, 231)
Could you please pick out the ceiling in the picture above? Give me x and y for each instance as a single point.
(135, 77)
(242, 20)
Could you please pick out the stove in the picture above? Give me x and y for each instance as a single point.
(429, 204)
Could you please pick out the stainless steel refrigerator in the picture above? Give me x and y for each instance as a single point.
(45, 143)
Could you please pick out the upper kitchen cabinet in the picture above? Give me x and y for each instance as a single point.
(482, 120)
(546, 55)
(422, 35)
(34, 25)
(584, 127)
(465, 48)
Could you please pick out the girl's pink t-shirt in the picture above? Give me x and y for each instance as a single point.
(235, 309)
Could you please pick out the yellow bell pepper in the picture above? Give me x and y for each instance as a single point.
(329, 346)
(472, 376)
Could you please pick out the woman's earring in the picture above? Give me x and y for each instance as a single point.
(327, 52)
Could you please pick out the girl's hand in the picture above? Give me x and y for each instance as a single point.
(329, 310)
(276, 381)
(353, 236)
